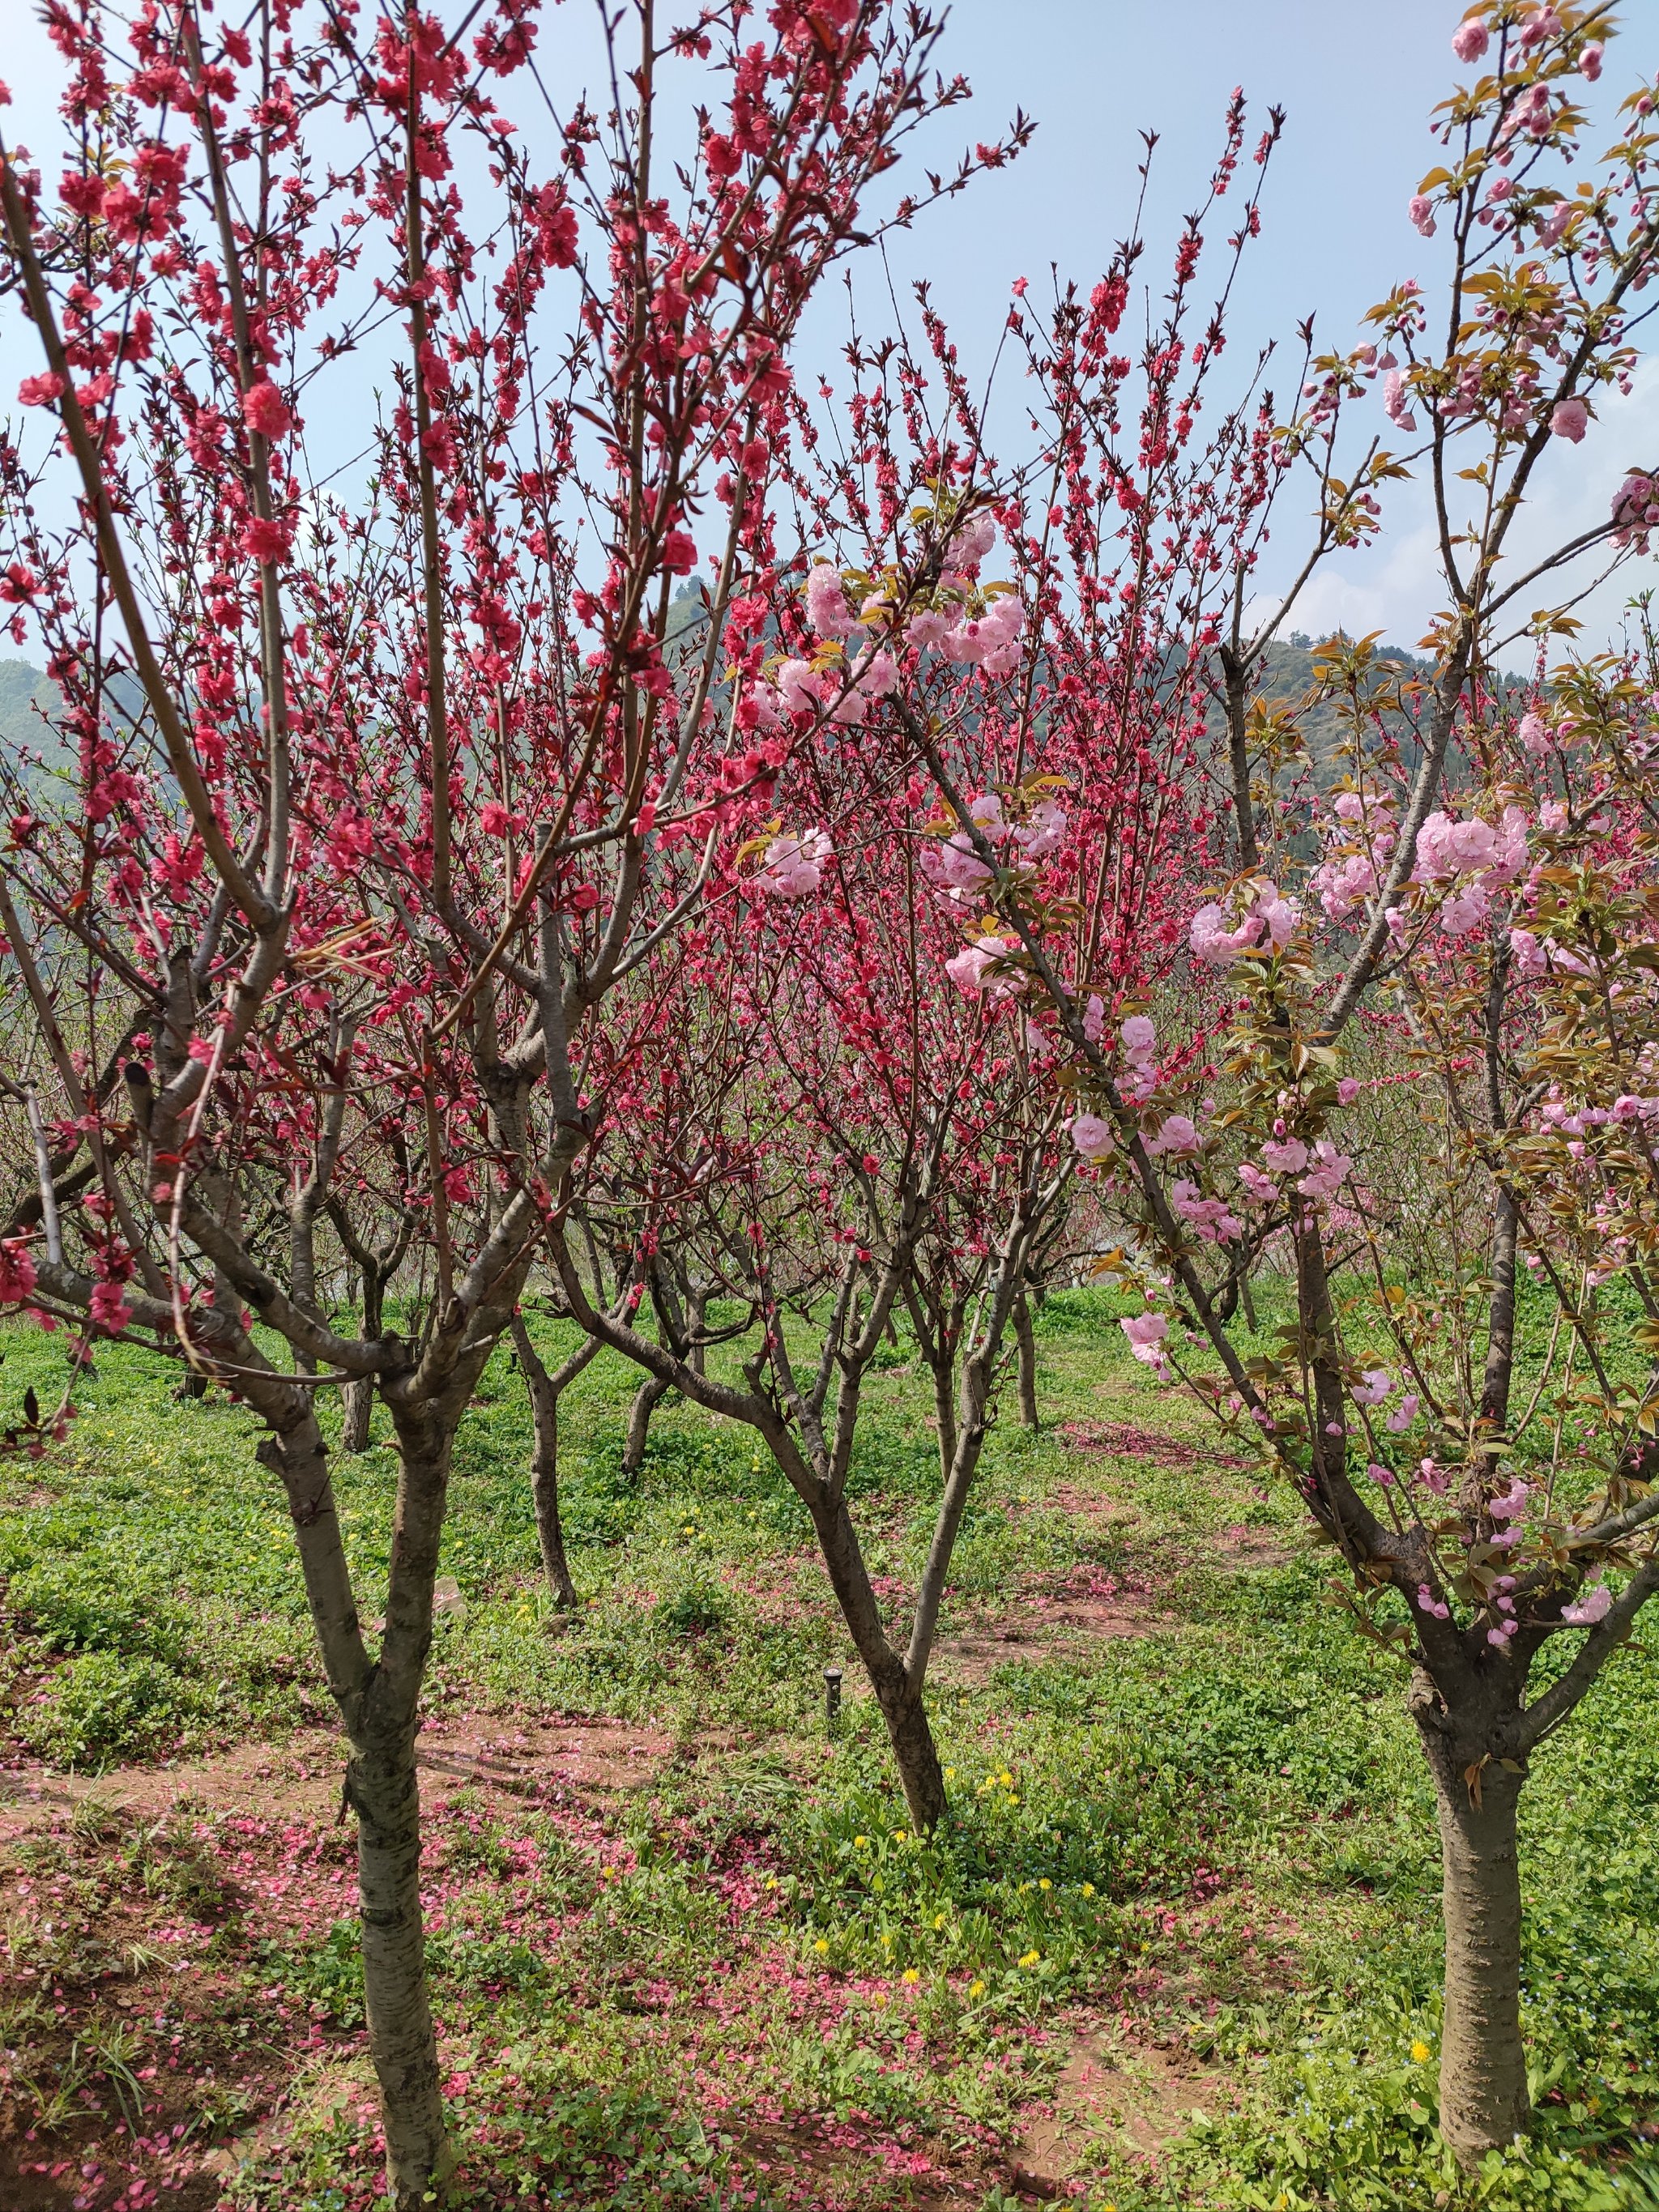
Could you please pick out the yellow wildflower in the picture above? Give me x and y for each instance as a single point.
(1045, 1883)
(976, 1988)
(1031, 1958)
(911, 1975)
(1420, 2054)
(822, 1948)
(1088, 1889)
(859, 1842)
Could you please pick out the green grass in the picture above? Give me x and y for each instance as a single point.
(1221, 1829)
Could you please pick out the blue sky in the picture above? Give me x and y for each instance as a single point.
(1358, 81)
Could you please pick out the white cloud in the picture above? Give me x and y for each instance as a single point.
(1395, 586)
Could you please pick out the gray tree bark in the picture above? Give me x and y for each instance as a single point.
(546, 1388)
(1484, 2103)
(1026, 1336)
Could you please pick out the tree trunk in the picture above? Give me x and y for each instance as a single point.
(544, 1491)
(647, 1399)
(381, 1790)
(378, 1701)
(545, 1391)
(898, 1691)
(1483, 2062)
(357, 1398)
(1026, 1337)
(914, 1750)
(356, 1404)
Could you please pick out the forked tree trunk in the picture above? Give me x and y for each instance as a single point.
(545, 1390)
(1484, 2102)
(1025, 1335)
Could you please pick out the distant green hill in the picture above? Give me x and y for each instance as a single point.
(1288, 674)
(20, 686)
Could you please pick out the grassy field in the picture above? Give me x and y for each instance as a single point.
(1178, 1945)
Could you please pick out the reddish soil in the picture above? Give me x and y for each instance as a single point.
(130, 1989)
(1046, 1625)
(1121, 2097)
(1123, 1440)
(589, 1761)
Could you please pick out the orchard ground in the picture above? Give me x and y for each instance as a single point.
(1178, 1945)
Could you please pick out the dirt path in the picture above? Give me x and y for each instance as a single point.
(583, 1760)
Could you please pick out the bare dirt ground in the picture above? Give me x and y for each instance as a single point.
(1121, 2099)
(586, 1761)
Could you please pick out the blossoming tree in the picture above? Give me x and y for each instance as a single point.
(836, 1139)
(1477, 928)
(371, 779)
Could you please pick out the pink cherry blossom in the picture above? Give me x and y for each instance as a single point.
(798, 687)
(1261, 1187)
(1328, 1172)
(1288, 1156)
(1177, 1134)
(1373, 1388)
(1585, 1612)
(1570, 420)
(1146, 1333)
(1093, 1138)
(1403, 1414)
(970, 543)
(1344, 884)
(1267, 915)
(826, 602)
(980, 967)
(1534, 957)
(1470, 39)
(1421, 212)
(954, 864)
(793, 866)
(1513, 1502)
(1043, 831)
(1396, 403)
(1209, 1216)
